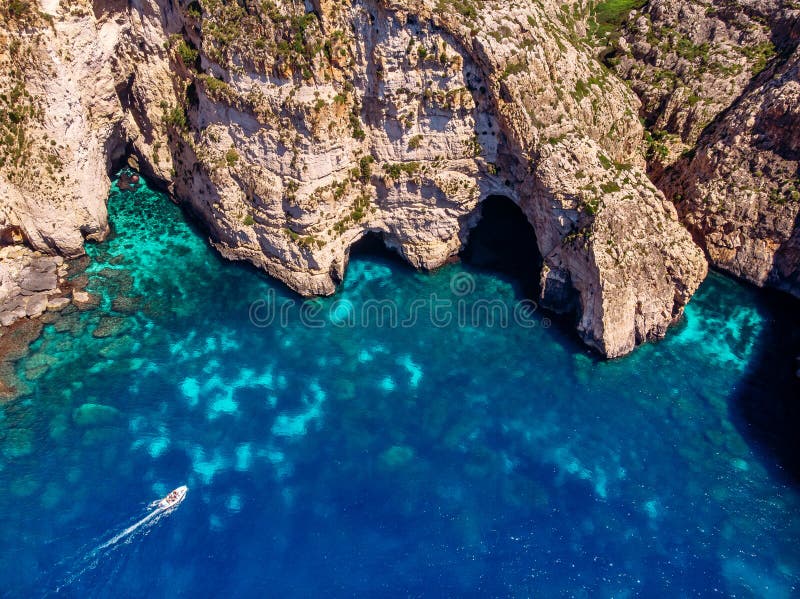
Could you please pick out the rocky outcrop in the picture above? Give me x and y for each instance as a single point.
(30, 284)
(292, 133)
(719, 85)
(740, 191)
(606, 234)
(60, 125)
(689, 61)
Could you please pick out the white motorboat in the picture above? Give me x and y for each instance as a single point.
(174, 498)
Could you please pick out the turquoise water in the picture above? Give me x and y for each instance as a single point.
(425, 458)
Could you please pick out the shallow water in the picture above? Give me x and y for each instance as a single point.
(425, 458)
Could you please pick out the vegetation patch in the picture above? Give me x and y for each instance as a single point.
(610, 15)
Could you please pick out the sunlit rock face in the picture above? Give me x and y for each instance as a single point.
(740, 193)
(719, 85)
(292, 132)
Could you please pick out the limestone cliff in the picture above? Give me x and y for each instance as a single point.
(720, 87)
(60, 125)
(740, 190)
(689, 61)
(292, 130)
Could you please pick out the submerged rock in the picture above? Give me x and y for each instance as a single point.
(24, 487)
(79, 282)
(7, 389)
(397, 456)
(69, 323)
(38, 364)
(84, 300)
(15, 340)
(101, 436)
(77, 266)
(109, 326)
(92, 414)
(118, 347)
(126, 304)
(17, 443)
(52, 496)
(59, 427)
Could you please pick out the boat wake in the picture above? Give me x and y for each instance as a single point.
(127, 534)
(89, 560)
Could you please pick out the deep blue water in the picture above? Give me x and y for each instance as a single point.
(433, 458)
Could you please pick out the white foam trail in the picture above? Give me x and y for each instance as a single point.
(93, 558)
(129, 531)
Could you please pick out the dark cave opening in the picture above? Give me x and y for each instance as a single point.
(373, 246)
(504, 243)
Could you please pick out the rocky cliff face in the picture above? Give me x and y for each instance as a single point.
(292, 130)
(740, 191)
(689, 61)
(719, 83)
(60, 125)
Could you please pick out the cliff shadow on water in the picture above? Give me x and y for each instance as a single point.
(765, 406)
(504, 243)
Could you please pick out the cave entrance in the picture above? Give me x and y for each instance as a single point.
(372, 246)
(504, 242)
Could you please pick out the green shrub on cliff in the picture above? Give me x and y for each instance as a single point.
(16, 9)
(365, 168)
(760, 54)
(466, 8)
(415, 142)
(231, 157)
(176, 117)
(188, 54)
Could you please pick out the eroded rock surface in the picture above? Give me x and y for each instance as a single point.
(740, 192)
(30, 284)
(719, 84)
(292, 132)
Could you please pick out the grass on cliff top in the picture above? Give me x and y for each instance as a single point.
(610, 15)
